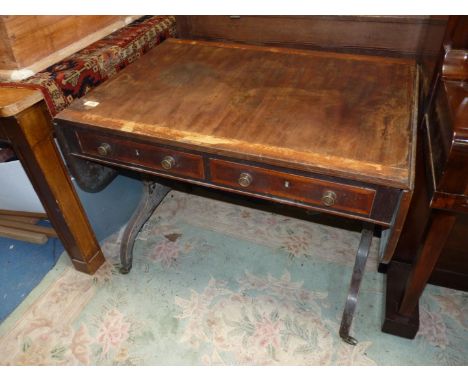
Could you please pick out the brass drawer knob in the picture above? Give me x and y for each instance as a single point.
(104, 149)
(329, 198)
(245, 179)
(168, 162)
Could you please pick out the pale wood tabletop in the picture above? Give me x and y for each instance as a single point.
(15, 100)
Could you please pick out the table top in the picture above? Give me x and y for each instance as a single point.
(15, 100)
(336, 114)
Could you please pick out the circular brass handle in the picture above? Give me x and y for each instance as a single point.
(168, 162)
(329, 198)
(245, 179)
(104, 149)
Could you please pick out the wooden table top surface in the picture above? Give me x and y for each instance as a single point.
(15, 100)
(336, 114)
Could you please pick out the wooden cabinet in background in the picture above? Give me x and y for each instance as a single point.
(29, 44)
(382, 35)
(433, 245)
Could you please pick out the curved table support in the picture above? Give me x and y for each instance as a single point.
(153, 194)
(356, 278)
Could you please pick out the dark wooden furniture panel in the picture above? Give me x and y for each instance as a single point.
(433, 245)
(337, 196)
(382, 35)
(451, 269)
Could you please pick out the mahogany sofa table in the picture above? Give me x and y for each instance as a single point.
(329, 132)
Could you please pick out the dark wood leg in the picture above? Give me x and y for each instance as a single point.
(153, 194)
(405, 283)
(30, 133)
(358, 273)
(394, 323)
(440, 227)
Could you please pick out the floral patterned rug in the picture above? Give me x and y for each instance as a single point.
(220, 284)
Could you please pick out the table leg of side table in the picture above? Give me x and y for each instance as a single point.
(153, 194)
(356, 278)
(31, 135)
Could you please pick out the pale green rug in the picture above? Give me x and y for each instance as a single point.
(219, 284)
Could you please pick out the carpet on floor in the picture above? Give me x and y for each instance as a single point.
(23, 265)
(215, 283)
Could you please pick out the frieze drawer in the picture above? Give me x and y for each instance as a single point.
(160, 158)
(318, 192)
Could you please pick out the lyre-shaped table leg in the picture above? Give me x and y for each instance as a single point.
(153, 194)
(358, 273)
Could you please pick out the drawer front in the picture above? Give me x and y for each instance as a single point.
(161, 159)
(336, 196)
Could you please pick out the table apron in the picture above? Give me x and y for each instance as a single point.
(205, 183)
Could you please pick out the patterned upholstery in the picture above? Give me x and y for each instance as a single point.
(76, 75)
